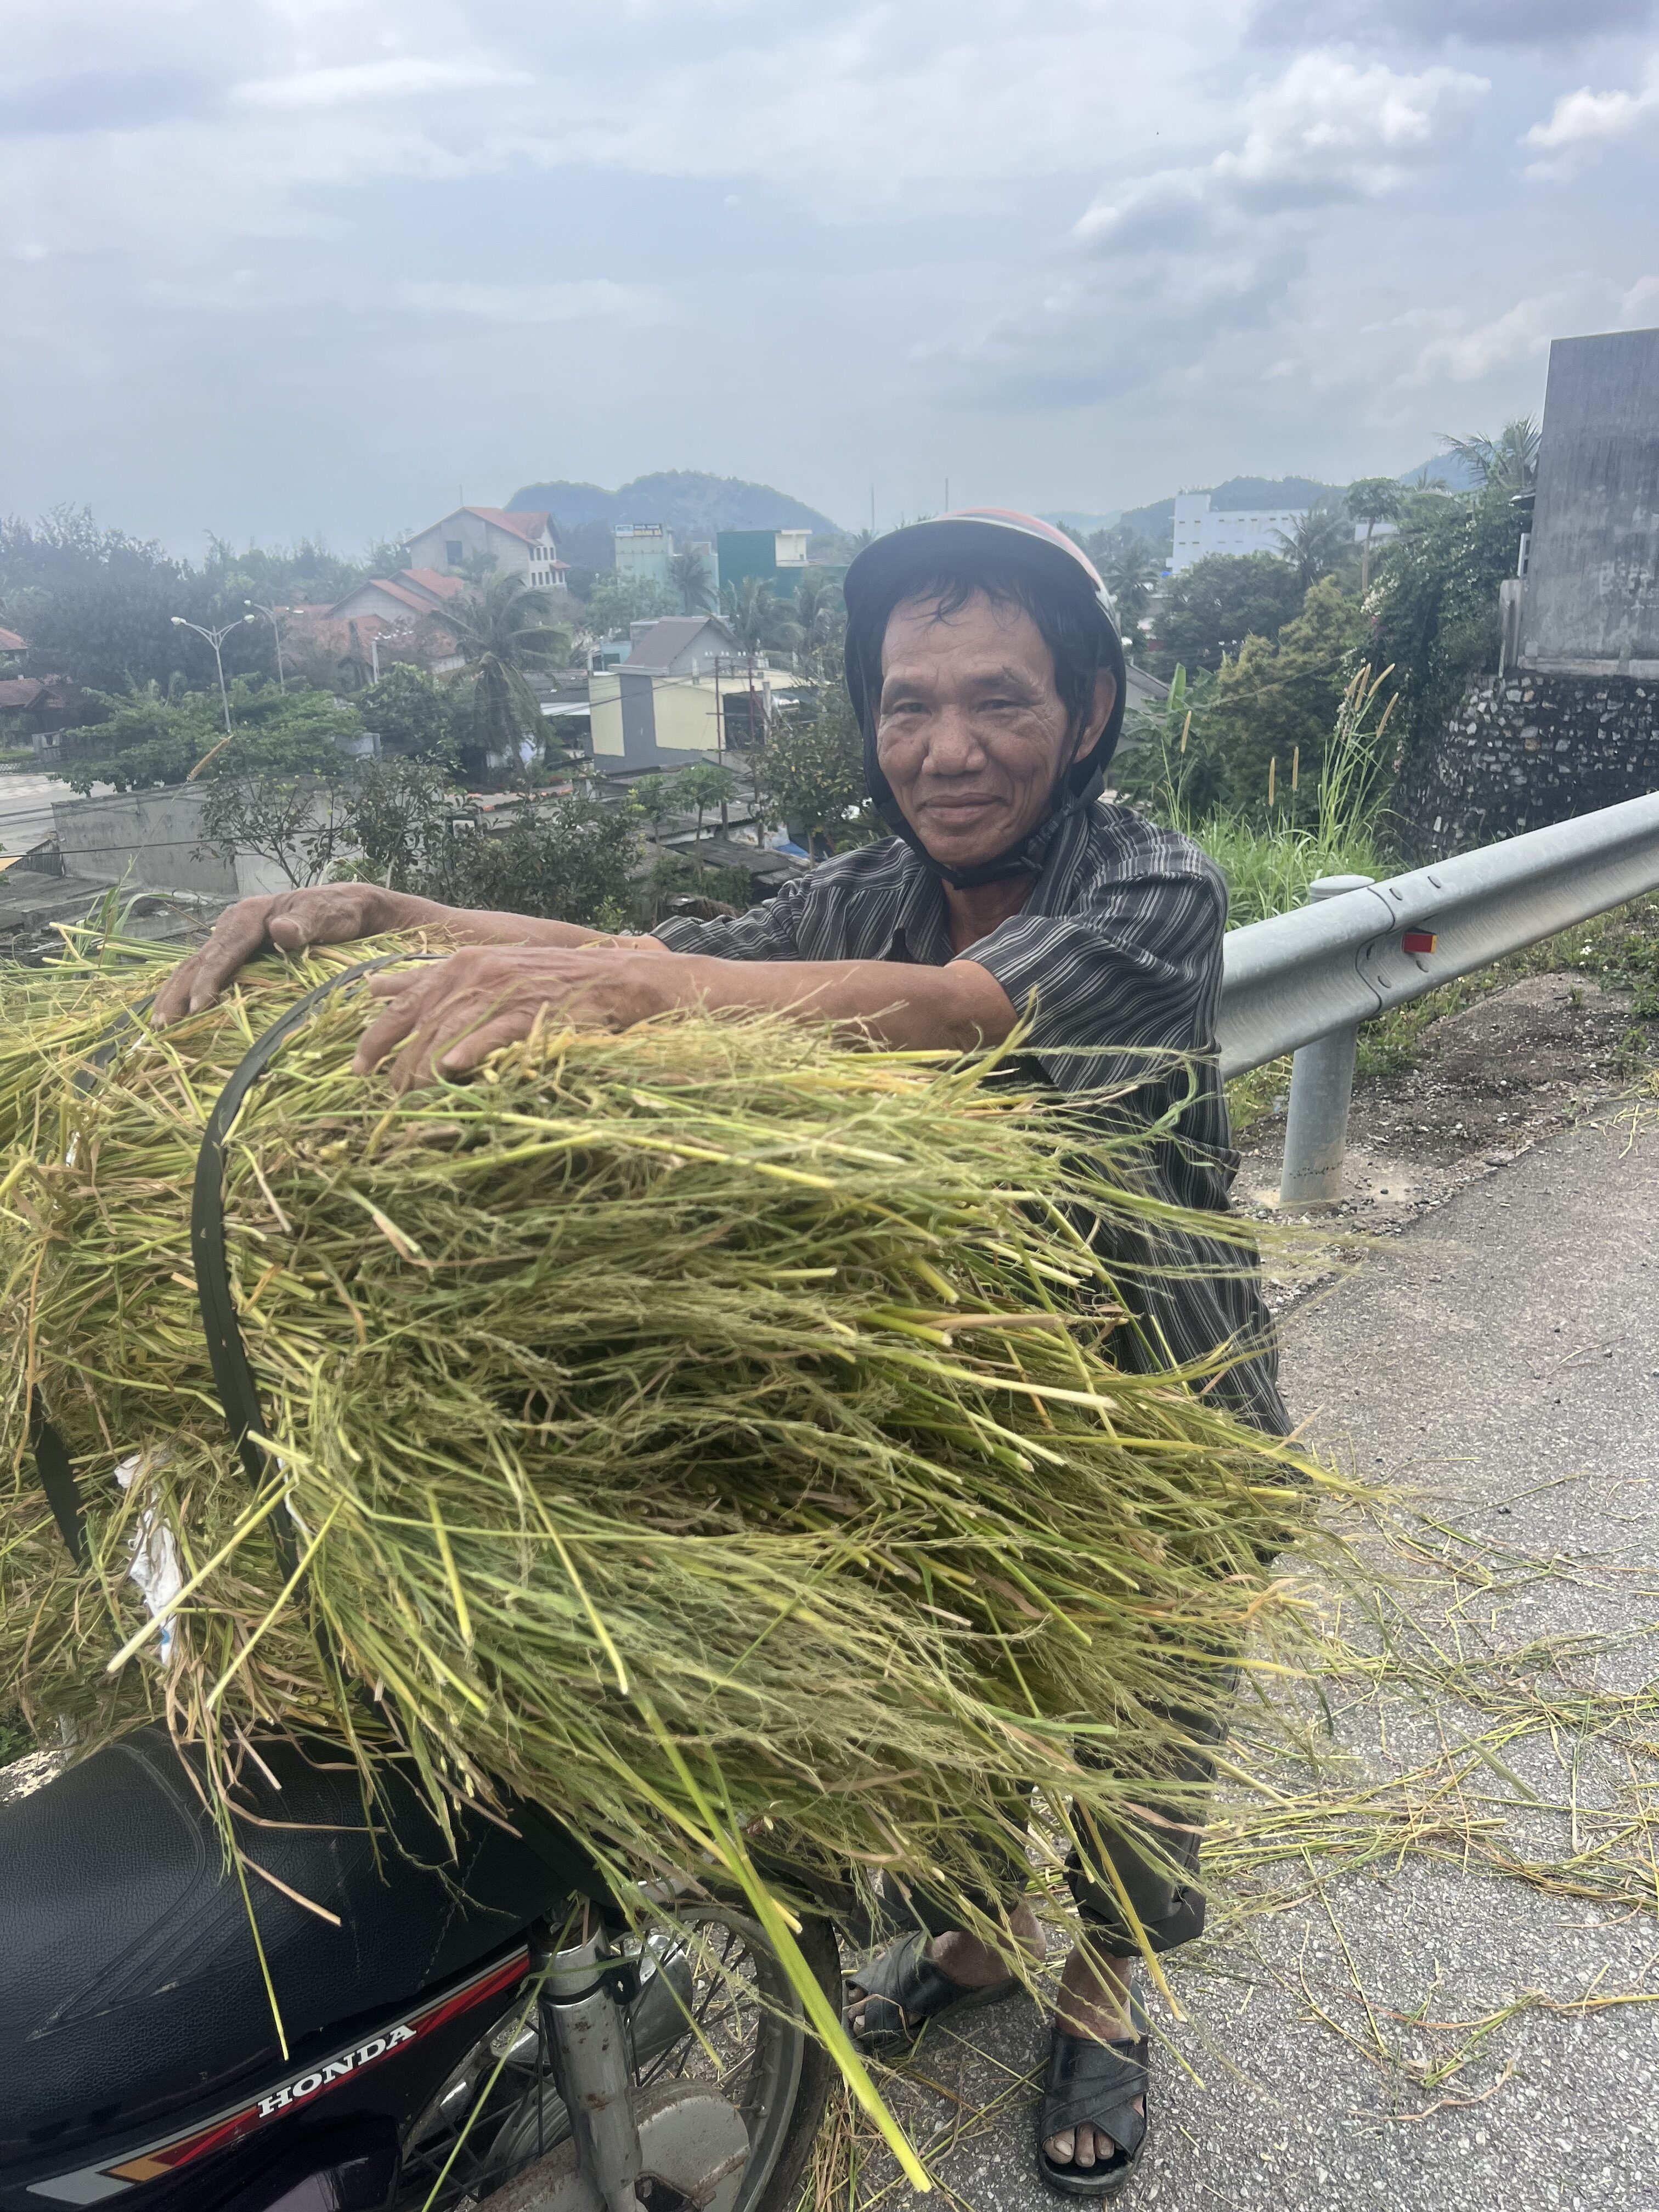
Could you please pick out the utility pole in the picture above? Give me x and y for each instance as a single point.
(269, 614)
(873, 510)
(215, 638)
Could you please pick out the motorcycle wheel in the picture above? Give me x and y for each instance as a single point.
(716, 2016)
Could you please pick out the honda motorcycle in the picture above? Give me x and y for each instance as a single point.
(458, 2024)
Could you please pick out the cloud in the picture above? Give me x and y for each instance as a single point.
(1477, 23)
(1170, 272)
(594, 299)
(405, 77)
(1583, 122)
(1327, 130)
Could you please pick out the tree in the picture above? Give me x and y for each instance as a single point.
(567, 859)
(150, 736)
(657, 799)
(758, 620)
(688, 575)
(704, 784)
(1506, 463)
(1371, 499)
(820, 616)
(412, 713)
(1129, 571)
(1210, 609)
(810, 777)
(1319, 541)
(292, 821)
(617, 602)
(399, 815)
(1277, 699)
(502, 632)
(1435, 602)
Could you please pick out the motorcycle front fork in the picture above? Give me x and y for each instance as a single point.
(584, 2000)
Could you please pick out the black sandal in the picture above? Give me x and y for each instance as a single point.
(1095, 2085)
(904, 1990)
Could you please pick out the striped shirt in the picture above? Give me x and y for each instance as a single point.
(1118, 947)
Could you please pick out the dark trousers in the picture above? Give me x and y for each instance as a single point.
(1159, 1877)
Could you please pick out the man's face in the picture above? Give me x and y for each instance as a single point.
(971, 732)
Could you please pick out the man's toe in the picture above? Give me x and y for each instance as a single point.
(1060, 2147)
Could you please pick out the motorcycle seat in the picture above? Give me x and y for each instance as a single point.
(129, 1980)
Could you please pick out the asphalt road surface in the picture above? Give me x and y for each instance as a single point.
(1502, 1354)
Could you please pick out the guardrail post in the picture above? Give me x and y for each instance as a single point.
(1321, 1088)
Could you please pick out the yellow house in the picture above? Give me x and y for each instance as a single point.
(666, 701)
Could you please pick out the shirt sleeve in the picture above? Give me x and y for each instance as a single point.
(766, 932)
(1113, 989)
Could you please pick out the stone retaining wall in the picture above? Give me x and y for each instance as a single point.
(1523, 749)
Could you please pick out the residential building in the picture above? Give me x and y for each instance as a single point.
(520, 544)
(1201, 530)
(408, 597)
(658, 708)
(12, 649)
(776, 557)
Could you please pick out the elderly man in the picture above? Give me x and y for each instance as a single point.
(983, 659)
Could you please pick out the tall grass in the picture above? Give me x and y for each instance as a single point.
(1271, 866)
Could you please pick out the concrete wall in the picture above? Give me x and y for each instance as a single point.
(146, 838)
(1526, 748)
(1592, 598)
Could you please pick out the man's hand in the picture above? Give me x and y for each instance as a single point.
(446, 1019)
(328, 913)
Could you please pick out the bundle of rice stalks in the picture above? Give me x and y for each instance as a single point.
(707, 1431)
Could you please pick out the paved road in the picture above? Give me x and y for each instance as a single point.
(26, 809)
(1504, 1353)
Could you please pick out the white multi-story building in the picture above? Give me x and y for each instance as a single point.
(1200, 529)
(643, 549)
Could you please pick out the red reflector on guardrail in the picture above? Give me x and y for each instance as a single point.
(1418, 940)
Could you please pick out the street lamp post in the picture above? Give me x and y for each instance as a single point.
(215, 638)
(269, 614)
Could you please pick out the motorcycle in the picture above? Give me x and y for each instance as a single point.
(394, 2020)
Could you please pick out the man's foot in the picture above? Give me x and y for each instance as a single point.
(963, 1960)
(1093, 2002)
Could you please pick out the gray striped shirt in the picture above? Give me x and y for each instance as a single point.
(1118, 948)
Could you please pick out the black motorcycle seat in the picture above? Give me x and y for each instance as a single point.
(129, 1980)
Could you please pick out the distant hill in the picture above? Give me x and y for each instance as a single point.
(687, 502)
(1444, 468)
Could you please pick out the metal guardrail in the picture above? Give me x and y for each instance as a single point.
(1303, 982)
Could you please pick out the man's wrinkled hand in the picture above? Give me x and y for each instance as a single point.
(446, 1019)
(327, 913)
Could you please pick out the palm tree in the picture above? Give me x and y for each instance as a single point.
(819, 609)
(500, 633)
(757, 618)
(1319, 541)
(1371, 499)
(688, 575)
(1130, 571)
(1508, 463)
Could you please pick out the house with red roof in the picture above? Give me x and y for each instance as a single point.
(520, 544)
(408, 597)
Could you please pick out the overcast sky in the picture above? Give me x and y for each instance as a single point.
(288, 266)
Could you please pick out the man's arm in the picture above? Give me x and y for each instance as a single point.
(448, 1019)
(339, 914)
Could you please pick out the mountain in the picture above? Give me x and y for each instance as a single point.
(688, 503)
(1444, 468)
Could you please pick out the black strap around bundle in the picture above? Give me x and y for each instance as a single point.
(233, 1377)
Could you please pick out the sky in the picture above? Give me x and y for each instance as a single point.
(320, 267)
